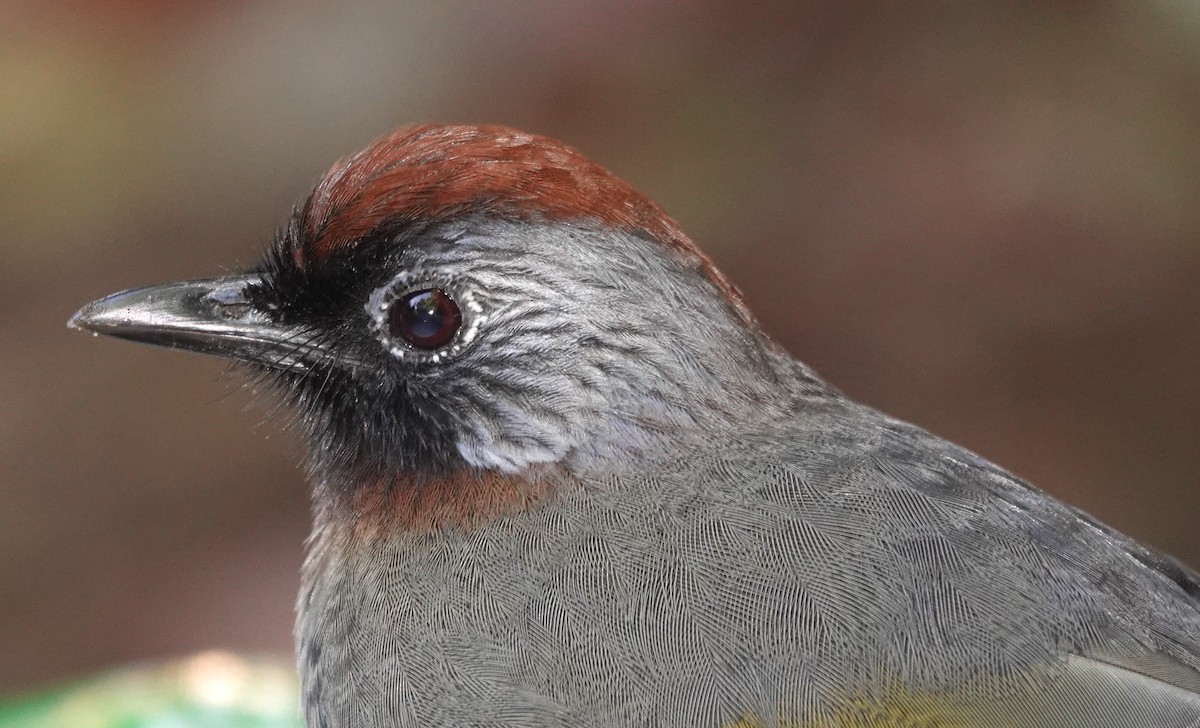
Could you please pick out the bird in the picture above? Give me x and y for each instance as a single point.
(560, 476)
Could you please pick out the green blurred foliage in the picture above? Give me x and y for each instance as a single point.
(212, 690)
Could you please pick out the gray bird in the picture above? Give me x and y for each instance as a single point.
(562, 478)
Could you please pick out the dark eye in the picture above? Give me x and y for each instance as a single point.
(427, 319)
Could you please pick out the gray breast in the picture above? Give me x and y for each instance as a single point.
(784, 582)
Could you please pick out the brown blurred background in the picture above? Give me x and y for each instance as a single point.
(983, 217)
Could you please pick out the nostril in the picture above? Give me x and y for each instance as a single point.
(230, 302)
(232, 310)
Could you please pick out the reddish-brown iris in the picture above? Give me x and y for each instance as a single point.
(427, 319)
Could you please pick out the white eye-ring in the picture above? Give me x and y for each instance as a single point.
(425, 316)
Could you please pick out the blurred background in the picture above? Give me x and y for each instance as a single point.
(983, 217)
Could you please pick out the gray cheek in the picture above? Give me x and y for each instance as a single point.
(482, 451)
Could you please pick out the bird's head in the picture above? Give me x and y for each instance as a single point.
(473, 298)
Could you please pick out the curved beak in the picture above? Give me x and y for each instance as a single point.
(212, 316)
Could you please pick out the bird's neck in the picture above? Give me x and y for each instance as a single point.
(360, 508)
(377, 540)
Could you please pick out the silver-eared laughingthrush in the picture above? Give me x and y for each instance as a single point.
(561, 478)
